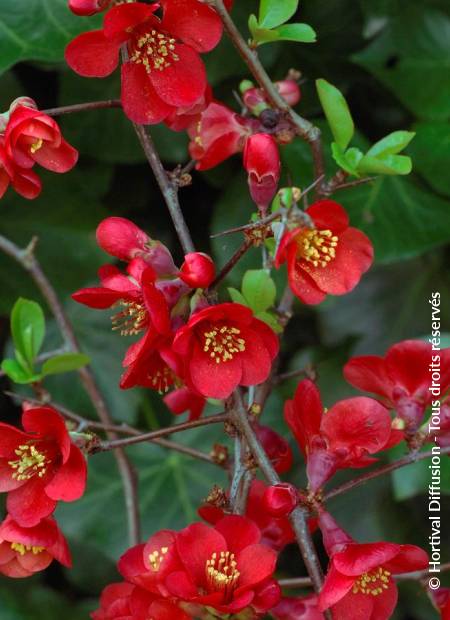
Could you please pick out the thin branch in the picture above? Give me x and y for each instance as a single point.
(296, 582)
(252, 226)
(168, 189)
(26, 258)
(162, 432)
(83, 107)
(293, 374)
(413, 457)
(246, 245)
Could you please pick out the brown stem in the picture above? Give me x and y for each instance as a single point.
(230, 264)
(83, 107)
(162, 432)
(168, 189)
(413, 457)
(26, 258)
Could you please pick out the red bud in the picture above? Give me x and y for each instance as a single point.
(290, 91)
(198, 270)
(262, 162)
(88, 7)
(280, 499)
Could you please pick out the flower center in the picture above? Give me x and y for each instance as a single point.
(154, 50)
(131, 320)
(223, 342)
(372, 583)
(221, 572)
(162, 379)
(22, 549)
(36, 145)
(317, 246)
(30, 463)
(156, 558)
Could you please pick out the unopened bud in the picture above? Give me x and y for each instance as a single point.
(280, 499)
(198, 270)
(262, 162)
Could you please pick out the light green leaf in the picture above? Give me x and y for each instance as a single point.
(65, 362)
(17, 373)
(391, 144)
(259, 290)
(273, 13)
(27, 328)
(271, 320)
(340, 157)
(237, 296)
(301, 33)
(386, 164)
(336, 110)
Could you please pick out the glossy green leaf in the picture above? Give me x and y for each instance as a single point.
(237, 296)
(27, 328)
(300, 33)
(65, 362)
(273, 13)
(340, 157)
(391, 144)
(337, 112)
(17, 373)
(385, 164)
(271, 320)
(259, 290)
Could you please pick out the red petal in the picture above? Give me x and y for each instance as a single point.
(181, 585)
(10, 439)
(239, 532)
(407, 365)
(303, 415)
(91, 54)
(184, 82)
(60, 159)
(409, 559)
(193, 22)
(97, 297)
(327, 214)
(48, 423)
(29, 504)
(140, 101)
(120, 20)
(357, 559)
(335, 587)
(369, 373)
(7, 482)
(121, 237)
(212, 379)
(268, 336)
(255, 360)
(196, 544)
(223, 147)
(34, 562)
(44, 534)
(255, 564)
(69, 482)
(301, 284)
(26, 183)
(356, 607)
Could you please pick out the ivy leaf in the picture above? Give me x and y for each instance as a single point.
(391, 144)
(28, 329)
(65, 362)
(259, 290)
(273, 13)
(386, 164)
(337, 112)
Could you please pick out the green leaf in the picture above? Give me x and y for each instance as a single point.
(27, 328)
(237, 296)
(386, 164)
(301, 33)
(272, 13)
(39, 31)
(411, 57)
(271, 320)
(65, 362)
(430, 152)
(259, 290)
(17, 373)
(336, 110)
(391, 144)
(340, 157)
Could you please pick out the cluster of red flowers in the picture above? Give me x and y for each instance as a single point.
(39, 466)
(29, 137)
(205, 351)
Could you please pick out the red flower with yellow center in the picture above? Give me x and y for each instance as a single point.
(40, 466)
(224, 346)
(25, 551)
(329, 257)
(164, 70)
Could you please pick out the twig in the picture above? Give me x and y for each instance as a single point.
(168, 189)
(246, 245)
(253, 225)
(26, 258)
(83, 107)
(296, 582)
(413, 457)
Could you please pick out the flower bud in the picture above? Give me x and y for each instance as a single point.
(255, 101)
(290, 91)
(88, 7)
(198, 270)
(262, 162)
(280, 499)
(25, 101)
(277, 448)
(334, 537)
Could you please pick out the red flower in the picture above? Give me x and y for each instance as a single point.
(25, 551)
(40, 466)
(441, 599)
(304, 608)
(276, 532)
(340, 438)
(124, 601)
(164, 70)
(143, 304)
(262, 162)
(327, 258)
(182, 118)
(25, 182)
(402, 378)
(225, 567)
(225, 346)
(33, 137)
(121, 238)
(198, 270)
(359, 584)
(183, 399)
(218, 134)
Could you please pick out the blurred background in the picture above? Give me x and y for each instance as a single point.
(391, 59)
